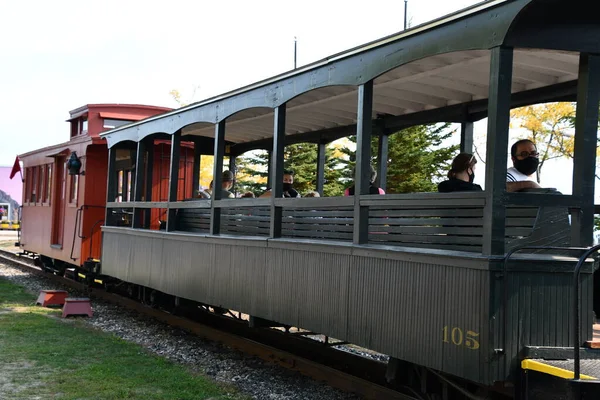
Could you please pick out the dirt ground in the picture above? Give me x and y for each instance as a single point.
(13, 381)
(7, 241)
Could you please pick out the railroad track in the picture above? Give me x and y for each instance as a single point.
(339, 369)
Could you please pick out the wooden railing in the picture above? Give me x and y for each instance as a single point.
(452, 221)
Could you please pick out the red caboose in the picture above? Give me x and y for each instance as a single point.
(64, 194)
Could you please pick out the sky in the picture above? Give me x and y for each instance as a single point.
(58, 56)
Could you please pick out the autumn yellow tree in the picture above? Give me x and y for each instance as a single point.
(178, 97)
(549, 127)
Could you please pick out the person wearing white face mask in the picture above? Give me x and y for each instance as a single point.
(525, 158)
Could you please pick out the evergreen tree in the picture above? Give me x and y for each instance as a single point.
(252, 172)
(300, 158)
(416, 162)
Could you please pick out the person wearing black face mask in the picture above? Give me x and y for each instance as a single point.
(461, 175)
(372, 188)
(525, 160)
(288, 184)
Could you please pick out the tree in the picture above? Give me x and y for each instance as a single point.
(416, 162)
(177, 97)
(417, 158)
(302, 159)
(571, 120)
(252, 172)
(549, 127)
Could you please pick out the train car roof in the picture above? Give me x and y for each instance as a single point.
(79, 111)
(438, 71)
(56, 149)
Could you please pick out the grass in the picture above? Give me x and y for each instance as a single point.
(43, 356)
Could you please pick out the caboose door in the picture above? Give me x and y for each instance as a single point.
(58, 205)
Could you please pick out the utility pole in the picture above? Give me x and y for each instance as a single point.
(295, 51)
(405, 13)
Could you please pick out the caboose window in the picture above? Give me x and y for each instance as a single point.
(115, 123)
(79, 126)
(27, 184)
(73, 190)
(47, 184)
(42, 183)
(34, 184)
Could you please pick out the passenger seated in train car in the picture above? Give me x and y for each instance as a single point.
(461, 175)
(525, 160)
(226, 185)
(372, 188)
(312, 193)
(204, 193)
(247, 195)
(288, 186)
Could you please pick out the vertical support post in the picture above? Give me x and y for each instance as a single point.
(277, 170)
(321, 167)
(219, 152)
(466, 137)
(138, 185)
(382, 158)
(125, 187)
(269, 169)
(497, 145)
(196, 168)
(173, 179)
(364, 127)
(149, 180)
(232, 168)
(405, 14)
(586, 131)
(111, 182)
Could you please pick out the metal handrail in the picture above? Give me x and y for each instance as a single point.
(505, 277)
(77, 220)
(86, 207)
(576, 358)
(20, 215)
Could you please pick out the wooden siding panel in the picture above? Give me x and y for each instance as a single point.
(402, 304)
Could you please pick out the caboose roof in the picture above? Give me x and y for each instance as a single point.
(80, 111)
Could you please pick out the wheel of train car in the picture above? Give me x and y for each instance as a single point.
(131, 291)
(220, 310)
(38, 263)
(46, 264)
(60, 267)
(154, 295)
